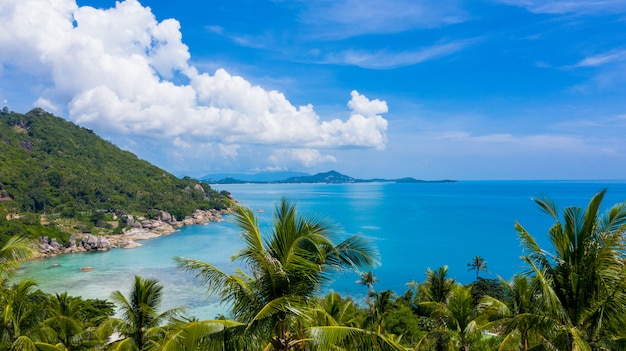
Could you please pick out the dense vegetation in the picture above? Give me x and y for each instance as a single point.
(571, 298)
(53, 167)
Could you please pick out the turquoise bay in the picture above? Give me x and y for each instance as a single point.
(414, 226)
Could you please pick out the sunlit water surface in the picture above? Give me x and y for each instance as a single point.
(414, 226)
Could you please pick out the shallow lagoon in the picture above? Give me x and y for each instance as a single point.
(414, 226)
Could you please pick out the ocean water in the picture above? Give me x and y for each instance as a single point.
(414, 226)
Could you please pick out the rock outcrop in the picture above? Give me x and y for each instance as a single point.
(139, 228)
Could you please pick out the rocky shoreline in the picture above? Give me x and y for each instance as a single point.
(139, 228)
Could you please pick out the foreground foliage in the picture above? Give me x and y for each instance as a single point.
(571, 298)
(583, 283)
(286, 271)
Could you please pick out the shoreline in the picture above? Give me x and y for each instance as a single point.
(140, 229)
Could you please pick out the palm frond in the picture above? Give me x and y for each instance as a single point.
(614, 219)
(578, 340)
(328, 337)
(210, 276)
(355, 252)
(15, 250)
(529, 243)
(592, 211)
(126, 344)
(293, 304)
(193, 335)
(549, 299)
(548, 206)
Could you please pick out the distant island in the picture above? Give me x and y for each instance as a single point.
(330, 177)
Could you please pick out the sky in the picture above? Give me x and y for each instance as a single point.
(480, 89)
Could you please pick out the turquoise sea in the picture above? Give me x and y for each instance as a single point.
(414, 226)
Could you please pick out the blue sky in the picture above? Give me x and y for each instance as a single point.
(493, 89)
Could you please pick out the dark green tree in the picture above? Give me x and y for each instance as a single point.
(66, 317)
(21, 316)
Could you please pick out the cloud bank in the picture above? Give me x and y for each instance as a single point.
(121, 72)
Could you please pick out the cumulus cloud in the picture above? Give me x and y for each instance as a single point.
(119, 72)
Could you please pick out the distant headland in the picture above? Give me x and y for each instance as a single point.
(330, 177)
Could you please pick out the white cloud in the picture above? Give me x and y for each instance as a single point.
(361, 105)
(509, 143)
(603, 59)
(306, 157)
(386, 60)
(113, 70)
(229, 151)
(46, 104)
(181, 143)
(346, 18)
(570, 6)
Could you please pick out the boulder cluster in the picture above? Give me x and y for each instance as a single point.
(137, 228)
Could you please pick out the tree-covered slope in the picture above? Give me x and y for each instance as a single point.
(48, 164)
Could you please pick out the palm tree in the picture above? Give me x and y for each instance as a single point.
(20, 318)
(382, 304)
(459, 319)
(519, 317)
(437, 286)
(338, 324)
(582, 284)
(338, 311)
(286, 270)
(139, 326)
(67, 319)
(368, 279)
(478, 264)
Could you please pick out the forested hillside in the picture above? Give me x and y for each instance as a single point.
(51, 166)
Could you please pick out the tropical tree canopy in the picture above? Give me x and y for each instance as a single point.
(140, 324)
(285, 269)
(582, 282)
(572, 297)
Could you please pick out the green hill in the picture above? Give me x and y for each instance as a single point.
(51, 166)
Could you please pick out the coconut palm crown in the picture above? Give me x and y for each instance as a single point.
(285, 269)
(477, 264)
(583, 282)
